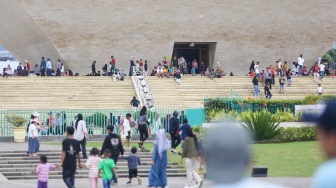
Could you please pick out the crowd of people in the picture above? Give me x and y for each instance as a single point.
(320, 69)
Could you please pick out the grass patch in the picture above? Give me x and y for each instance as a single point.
(296, 159)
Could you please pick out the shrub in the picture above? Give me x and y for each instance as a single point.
(200, 131)
(262, 124)
(294, 134)
(16, 120)
(286, 116)
(98, 119)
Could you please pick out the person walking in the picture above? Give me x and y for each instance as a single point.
(268, 92)
(113, 143)
(255, 86)
(81, 134)
(143, 124)
(135, 103)
(300, 64)
(70, 151)
(252, 66)
(316, 72)
(280, 68)
(108, 169)
(92, 163)
(322, 70)
(174, 132)
(158, 172)
(190, 153)
(43, 62)
(268, 77)
(42, 171)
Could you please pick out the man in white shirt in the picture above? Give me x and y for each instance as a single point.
(280, 67)
(49, 67)
(256, 69)
(127, 129)
(300, 64)
(322, 68)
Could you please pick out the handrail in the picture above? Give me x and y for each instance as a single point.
(139, 78)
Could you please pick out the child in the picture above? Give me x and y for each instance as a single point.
(107, 167)
(133, 162)
(42, 172)
(282, 83)
(289, 77)
(127, 129)
(92, 163)
(319, 89)
(184, 133)
(268, 92)
(193, 71)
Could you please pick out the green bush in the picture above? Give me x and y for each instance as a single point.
(200, 131)
(286, 116)
(98, 119)
(262, 124)
(293, 134)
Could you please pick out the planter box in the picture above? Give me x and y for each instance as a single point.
(19, 134)
(283, 124)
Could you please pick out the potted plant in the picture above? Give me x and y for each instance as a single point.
(19, 129)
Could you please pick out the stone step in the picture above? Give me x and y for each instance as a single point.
(34, 164)
(51, 161)
(59, 151)
(84, 172)
(11, 157)
(86, 176)
(22, 168)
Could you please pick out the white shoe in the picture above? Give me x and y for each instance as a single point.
(200, 183)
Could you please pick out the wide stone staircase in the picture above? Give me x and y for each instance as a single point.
(65, 93)
(193, 90)
(15, 165)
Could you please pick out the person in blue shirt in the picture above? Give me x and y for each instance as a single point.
(183, 128)
(324, 176)
(43, 62)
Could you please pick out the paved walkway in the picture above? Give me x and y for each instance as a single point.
(172, 183)
(83, 183)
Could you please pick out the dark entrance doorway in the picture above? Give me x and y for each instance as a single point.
(201, 52)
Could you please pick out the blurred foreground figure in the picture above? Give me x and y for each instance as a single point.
(324, 176)
(228, 155)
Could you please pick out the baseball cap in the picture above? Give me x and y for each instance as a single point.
(326, 119)
(227, 153)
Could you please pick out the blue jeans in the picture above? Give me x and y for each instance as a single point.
(83, 145)
(69, 177)
(106, 183)
(48, 72)
(256, 90)
(115, 159)
(321, 74)
(300, 69)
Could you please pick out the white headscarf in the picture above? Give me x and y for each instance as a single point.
(161, 142)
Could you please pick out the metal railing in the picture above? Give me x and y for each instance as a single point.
(143, 88)
(56, 120)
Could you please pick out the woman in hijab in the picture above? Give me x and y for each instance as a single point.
(252, 66)
(157, 174)
(131, 66)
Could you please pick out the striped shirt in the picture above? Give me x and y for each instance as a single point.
(42, 171)
(92, 163)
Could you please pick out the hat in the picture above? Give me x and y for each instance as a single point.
(34, 113)
(227, 153)
(326, 118)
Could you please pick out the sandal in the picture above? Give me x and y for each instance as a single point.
(139, 144)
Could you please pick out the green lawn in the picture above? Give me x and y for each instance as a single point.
(297, 159)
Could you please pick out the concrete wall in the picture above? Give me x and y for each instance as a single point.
(20, 35)
(261, 30)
